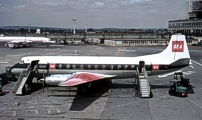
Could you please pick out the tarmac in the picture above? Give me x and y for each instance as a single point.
(115, 100)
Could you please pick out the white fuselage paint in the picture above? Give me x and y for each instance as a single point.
(24, 39)
(149, 60)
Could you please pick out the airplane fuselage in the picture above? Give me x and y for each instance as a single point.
(121, 67)
(24, 41)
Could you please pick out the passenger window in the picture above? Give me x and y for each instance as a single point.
(103, 66)
(89, 66)
(119, 67)
(60, 66)
(132, 67)
(73, 66)
(96, 66)
(81, 66)
(68, 66)
(112, 67)
(126, 67)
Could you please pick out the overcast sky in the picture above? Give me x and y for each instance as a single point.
(94, 13)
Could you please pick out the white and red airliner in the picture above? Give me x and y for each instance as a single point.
(79, 70)
(16, 42)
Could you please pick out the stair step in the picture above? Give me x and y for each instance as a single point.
(145, 87)
(19, 90)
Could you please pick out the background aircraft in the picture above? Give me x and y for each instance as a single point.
(15, 42)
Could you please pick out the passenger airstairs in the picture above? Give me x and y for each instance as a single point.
(25, 78)
(142, 81)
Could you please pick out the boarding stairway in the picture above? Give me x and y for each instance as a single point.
(22, 85)
(142, 81)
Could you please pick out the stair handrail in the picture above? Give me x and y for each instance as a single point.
(146, 75)
(138, 80)
(28, 70)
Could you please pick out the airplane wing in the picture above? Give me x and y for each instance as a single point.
(83, 77)
(17, 41)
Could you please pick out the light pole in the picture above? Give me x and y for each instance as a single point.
(86, 27)
(28, 28)
(74, 21)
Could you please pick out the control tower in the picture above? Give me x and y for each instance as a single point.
(193, 23)
(196, 9)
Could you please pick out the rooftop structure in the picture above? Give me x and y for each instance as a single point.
(196, 9)
(193, 22)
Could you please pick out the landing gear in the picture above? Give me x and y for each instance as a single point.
(136, 89)
(84, 89)
(137, 93)
(26, 89)
(151, 94)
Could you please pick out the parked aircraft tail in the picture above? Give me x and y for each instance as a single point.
(176, 49)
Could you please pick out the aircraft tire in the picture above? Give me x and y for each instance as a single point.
(83, 89)
(151, 94)
(169, 92)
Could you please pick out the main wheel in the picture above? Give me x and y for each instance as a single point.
(151, 94)
(82, 89)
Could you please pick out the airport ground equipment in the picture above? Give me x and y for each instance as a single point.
(24, 81)
(4, 78)
(9, 75)
(184, 81)
(1, 86)
(143, 87)
(176, 88)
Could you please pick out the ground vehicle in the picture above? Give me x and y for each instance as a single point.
(184, 81)
(4, 78)
(176, 88)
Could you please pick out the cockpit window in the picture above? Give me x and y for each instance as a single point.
(21, 61)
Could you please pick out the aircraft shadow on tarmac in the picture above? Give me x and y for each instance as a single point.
(82, 101)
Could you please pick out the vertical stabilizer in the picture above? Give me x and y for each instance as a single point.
(176, 49)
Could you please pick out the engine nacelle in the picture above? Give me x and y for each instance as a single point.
(56, 79)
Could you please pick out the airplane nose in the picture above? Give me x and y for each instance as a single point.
(8, 69)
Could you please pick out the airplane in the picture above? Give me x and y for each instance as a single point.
(81, 71)
(15, 42)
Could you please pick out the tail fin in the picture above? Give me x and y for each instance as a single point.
(177, 48)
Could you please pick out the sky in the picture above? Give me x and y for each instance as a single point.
(91, 13)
